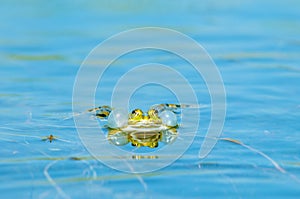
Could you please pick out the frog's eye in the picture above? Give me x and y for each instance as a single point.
(134, 111)
(153, 113)
(137, 112)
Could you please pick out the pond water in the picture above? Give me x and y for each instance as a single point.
(256, 46)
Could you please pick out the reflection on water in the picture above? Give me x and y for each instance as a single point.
(255, 45)
(140, 138)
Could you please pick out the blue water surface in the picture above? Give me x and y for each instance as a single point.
(256, 46)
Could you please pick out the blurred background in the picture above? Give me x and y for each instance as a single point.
(256, 46)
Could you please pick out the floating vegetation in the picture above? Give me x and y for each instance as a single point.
(28, 57)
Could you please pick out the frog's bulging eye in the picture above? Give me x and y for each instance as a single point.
(136, 114)
(153, 114)
(139, 112)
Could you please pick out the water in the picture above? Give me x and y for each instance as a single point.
(255, 46)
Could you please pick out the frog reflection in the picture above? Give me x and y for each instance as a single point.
(142, 138)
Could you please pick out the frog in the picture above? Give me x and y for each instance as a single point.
(158, 125)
